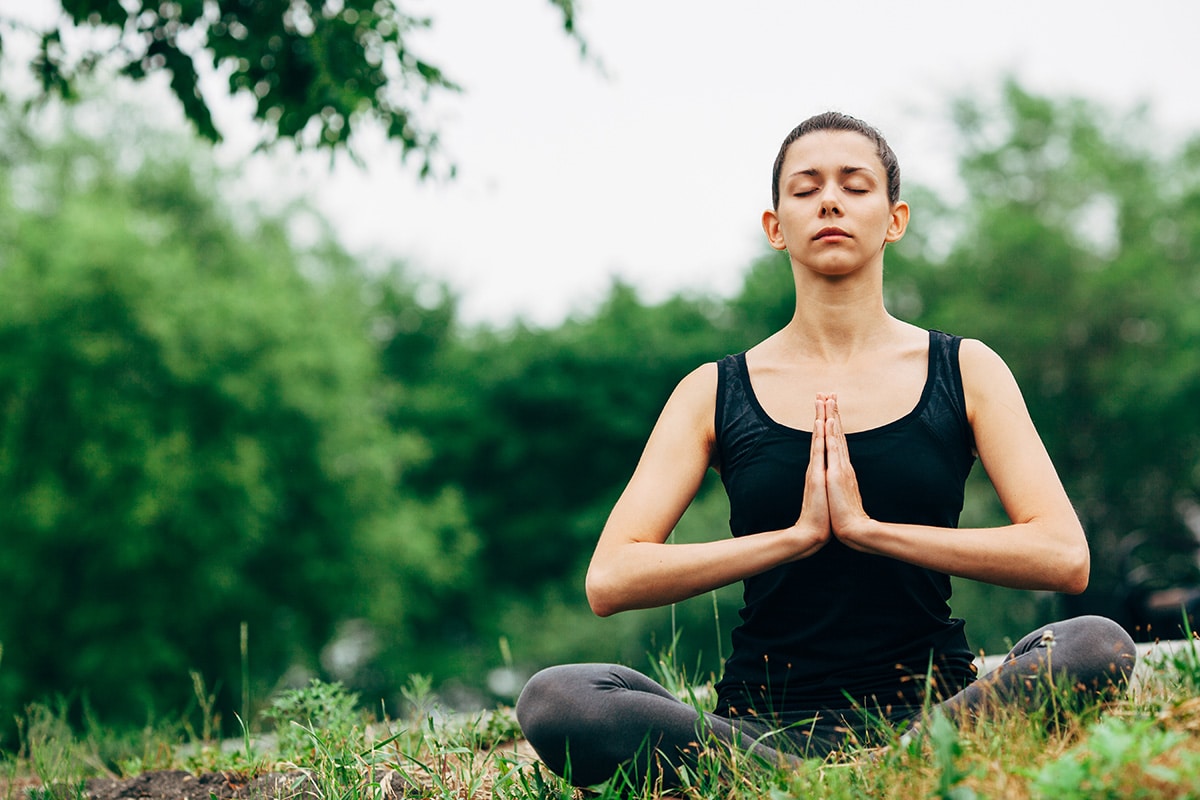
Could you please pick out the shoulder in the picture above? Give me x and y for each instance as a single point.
(976, 356)
(688, 418)
(980, 361)
(698, 389)
(987, 379)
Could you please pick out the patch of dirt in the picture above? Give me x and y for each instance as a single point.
(293, 785)
(174, 783)
(182, 785)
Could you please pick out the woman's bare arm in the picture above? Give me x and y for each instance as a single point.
(634, 567)
(1043, 548)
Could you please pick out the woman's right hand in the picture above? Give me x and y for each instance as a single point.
(813, 529)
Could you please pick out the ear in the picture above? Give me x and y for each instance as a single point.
(898, 224)
(770, 223)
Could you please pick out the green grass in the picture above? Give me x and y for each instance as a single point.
(1144, 745)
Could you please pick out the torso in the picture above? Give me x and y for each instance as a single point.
(841, 621)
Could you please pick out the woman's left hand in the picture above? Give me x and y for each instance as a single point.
(849, 521)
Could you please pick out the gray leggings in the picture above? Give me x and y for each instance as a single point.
(587, 720)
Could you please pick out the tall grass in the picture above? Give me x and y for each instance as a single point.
(1145, 744)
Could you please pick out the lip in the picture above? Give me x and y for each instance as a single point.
(830, 233)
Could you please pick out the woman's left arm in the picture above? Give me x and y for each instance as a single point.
(1043, 548)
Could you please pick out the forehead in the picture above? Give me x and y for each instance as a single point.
(832, 150)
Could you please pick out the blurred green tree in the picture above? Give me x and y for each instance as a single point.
(540, 428)
(1074, 255)
(194, 436)
(313, 69)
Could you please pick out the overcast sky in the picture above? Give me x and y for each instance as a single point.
(657, 168)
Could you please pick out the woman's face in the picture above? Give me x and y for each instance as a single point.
(834, 215)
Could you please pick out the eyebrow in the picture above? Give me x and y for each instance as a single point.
(813, 172)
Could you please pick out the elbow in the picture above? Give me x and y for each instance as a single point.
(1075, 571)
(601, 610)
(1076, 585)
(601, 595)
(601, 607)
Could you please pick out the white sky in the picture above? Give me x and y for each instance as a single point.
(657, 170)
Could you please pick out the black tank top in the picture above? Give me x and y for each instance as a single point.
(841, 628)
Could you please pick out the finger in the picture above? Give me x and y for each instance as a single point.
(837, 451)
(821, 427)
(832, 421)
(836, 447)
(815, 473)
(817, 454)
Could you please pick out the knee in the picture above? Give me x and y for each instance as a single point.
(1104, 651)
(541, 711)
(562, 714)
(542, 701)
(562, 700)
(1111, 642)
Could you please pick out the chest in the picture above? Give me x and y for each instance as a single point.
(871, 393)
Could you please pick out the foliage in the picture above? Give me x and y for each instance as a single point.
(1122, 759)
(947, 749)
(192, 438)
(1076, 262)
(313, 70)
(325, 707)
(52, 750)
(540, 429)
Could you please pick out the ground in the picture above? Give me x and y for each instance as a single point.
(293, 785)
(181, 785)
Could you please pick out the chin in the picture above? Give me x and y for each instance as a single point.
(836, 269)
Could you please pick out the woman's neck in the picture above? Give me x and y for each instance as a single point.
(837, 317)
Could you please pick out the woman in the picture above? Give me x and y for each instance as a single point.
(844, 441)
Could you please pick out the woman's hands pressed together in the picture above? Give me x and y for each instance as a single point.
(832, 503)
(813, 528)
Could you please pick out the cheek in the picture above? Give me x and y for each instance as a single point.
(881, 221)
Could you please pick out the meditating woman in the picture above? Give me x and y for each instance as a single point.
(843, 441)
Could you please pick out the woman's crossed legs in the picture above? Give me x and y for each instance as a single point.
(587, 720)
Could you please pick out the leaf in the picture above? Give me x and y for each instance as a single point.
(48, 66)
(185, 85)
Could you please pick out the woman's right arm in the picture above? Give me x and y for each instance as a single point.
(634, 567)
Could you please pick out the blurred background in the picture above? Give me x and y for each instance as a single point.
(330, 332)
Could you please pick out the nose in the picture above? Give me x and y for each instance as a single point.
(829, 203)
